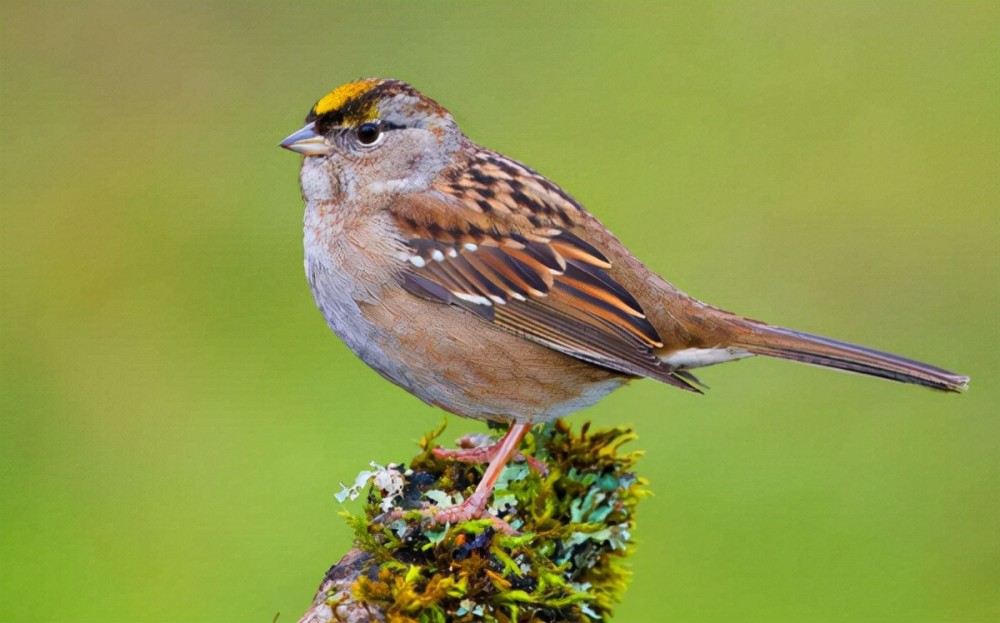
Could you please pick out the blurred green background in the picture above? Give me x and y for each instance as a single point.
(176, 417)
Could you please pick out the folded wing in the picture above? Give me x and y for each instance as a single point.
(536, 280)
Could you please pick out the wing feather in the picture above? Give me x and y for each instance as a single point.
(524, 271)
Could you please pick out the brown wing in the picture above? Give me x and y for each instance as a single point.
(517, 265)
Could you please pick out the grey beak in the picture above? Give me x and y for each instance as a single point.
(307, 142)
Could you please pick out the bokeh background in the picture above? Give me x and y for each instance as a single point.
(176, 417)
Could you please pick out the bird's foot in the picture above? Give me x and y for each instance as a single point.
(480, 448)
(497, 456)
(466, 511)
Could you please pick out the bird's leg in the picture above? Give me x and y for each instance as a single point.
(474, 507)
(472, 450)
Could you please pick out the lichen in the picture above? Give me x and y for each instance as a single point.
(566, 563)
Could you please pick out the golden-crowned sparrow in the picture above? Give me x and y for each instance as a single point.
(482, 287)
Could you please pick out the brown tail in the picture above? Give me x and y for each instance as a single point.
(763, 339)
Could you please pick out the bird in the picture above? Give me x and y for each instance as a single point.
(483, 288)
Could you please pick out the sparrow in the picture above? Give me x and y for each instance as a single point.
(482, 287)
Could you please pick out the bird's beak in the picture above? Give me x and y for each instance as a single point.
(307, 142)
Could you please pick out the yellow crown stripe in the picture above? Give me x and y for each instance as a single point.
(336, 98)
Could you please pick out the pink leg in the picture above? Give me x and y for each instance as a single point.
(474, 507)
(469, 452)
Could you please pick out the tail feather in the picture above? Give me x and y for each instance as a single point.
(783, 343)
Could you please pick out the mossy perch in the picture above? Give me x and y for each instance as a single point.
(566, 564)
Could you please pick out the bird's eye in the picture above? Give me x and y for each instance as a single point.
(368, 133)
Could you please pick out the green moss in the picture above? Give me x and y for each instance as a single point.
(575, 525)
